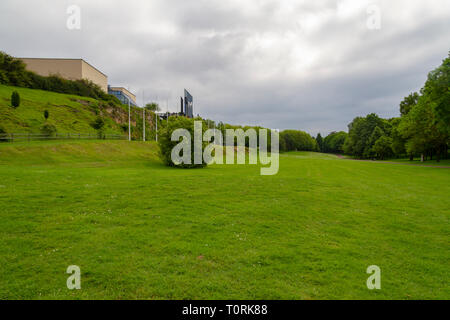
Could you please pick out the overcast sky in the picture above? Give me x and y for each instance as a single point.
(312, 65)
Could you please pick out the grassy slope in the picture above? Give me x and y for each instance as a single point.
(69, 113)
(140, 230)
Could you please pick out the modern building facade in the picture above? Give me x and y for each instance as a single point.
(187, 105)
(123, 95)
(70, 69)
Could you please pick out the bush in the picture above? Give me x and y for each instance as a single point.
(3, 135)
(383, 148)
(334, 142)
(294, 140)
(98, 123)
(48, 129)
(15, 99)
(166, 144)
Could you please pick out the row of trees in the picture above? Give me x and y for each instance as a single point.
(423, 129)
(295, 140)
(333, 143)
(289, 140)
(373, 137)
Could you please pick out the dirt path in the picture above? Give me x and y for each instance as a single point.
(392, 162)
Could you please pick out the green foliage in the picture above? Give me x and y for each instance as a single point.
(166, 144)
(12, 71)
(15, 99)
(3, 134)
(48, 129)
(153, 107)
(424, 126)
(319, 140)
(398, 142)
(427, 126)
(334, 142)
(222, 127)
(376, 134)
(437, 93)
(363, 135)
(98, 123)
(383, 147)
(408, 103)
(69, 113)
(295, 140)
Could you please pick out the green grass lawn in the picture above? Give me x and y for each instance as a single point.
(139, 230)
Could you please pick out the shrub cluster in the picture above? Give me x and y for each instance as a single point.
(15, 99)
(166, 144)
(334, 142)
(48, 129)
(295, 140)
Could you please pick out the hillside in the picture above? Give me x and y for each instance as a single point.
(87, 151)
(69, 113)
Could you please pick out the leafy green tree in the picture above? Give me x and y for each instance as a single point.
(153, 106)
(295, 140)
(398, 142)
(319, 140)
(437, 94)
(166, 144)
(98, 125)
(427, 126)
(420, 128)
(334, 142)
(377, 133)
(383, 148)
(409, 102)
(360, 141)
(48, 129)
(15, 99)
(3, 133)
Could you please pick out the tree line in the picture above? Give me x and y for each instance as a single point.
(423, 129)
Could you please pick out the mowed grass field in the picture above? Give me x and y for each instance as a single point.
(139, 230)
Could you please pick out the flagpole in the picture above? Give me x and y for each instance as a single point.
(129, 120)
(143, 104)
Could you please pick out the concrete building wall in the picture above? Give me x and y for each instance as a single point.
(70, 69)
(91, 73)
